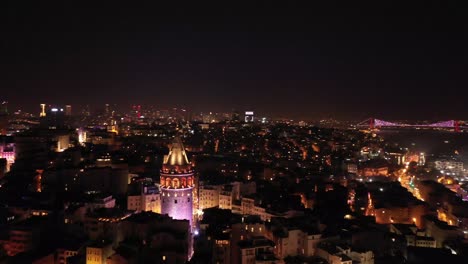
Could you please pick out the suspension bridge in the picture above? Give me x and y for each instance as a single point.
(372, 123)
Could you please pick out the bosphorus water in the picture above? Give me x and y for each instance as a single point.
(429, 141)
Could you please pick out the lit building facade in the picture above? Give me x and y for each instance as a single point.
(98, 253)
(208, 196)
(177, 183)
(63, 142)
(7, 151)
(148, 200)
(225, 200)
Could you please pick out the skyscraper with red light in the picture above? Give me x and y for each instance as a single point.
(137, 110)
(177, 183)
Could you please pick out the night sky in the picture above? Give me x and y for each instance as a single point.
(324, 60)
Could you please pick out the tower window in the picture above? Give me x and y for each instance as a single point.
(175, 201)
(188, 199)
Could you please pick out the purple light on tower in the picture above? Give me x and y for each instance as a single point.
(177, 183)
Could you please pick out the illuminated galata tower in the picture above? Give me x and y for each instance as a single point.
(177, 184)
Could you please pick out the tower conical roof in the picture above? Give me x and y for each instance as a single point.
(176, 156)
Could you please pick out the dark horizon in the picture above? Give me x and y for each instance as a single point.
(307, 62)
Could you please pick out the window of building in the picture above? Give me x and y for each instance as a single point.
(175, 201)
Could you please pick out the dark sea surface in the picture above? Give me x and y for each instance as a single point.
(429, 141)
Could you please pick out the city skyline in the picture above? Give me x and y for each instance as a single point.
(152, 111)
(327, 60)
